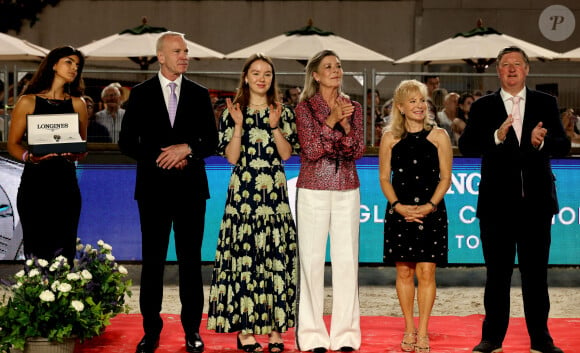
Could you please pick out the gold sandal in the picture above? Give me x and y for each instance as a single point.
(422, 345)
(408, 342)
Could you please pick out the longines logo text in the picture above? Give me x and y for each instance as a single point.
(52, 127)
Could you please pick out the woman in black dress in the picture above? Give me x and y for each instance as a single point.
(415, 161)
(49, 200)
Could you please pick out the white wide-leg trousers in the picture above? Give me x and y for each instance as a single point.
(320, 213)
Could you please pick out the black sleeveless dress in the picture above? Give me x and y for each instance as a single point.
(415, 175)
(49, 199)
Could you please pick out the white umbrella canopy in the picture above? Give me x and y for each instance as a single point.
(572, 55)
(15, 49)
(303, 43)
(138, 45)
(478, 47)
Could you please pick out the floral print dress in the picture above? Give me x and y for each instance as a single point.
(253, 286)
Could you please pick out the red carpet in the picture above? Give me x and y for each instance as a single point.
(379, 334)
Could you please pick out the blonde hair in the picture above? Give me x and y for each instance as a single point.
(402, 92)
(310, 84)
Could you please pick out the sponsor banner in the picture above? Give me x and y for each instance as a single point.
(110, 213)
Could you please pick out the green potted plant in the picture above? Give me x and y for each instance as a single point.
(52, 301)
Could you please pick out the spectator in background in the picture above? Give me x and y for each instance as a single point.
(374, 118)
(291, 96)
(439, 98)
(111, 117)
(432, 82)
(463, 106)
(448, 114)
(477, 94)
(95, 131)
(569, 120)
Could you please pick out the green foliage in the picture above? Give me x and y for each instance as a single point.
(14, 12)
(55, 301)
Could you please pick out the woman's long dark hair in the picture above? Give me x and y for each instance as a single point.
(243, 93)
(44, 75)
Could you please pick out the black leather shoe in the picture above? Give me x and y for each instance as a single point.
(487, 347)
(548, 348)
(148, 344)
(194, 343)
(346, 349)
(319, 350)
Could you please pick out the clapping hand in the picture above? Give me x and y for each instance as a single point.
(235, 111)
(275, 112)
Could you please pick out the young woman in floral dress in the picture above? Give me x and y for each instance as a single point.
(253, 287)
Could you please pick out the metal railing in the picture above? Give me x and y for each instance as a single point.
(356, 84)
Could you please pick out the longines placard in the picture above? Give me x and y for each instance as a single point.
(54, 133)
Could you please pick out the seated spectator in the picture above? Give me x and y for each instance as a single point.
(95, 131)
(569, 120)
(463, 106)
(111, 116)
(291, 96)
(448, 114)
(477, 94)
(439, 98)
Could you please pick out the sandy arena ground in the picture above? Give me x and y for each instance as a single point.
(459, 293)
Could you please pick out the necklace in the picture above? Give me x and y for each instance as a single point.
(258, 105)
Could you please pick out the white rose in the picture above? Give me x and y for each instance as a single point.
(73, 276)
(54, 285)
(77, 305)
(88, 247)
(64, 287)
(80, 247)
(33, 273)
(107, 247)
(42, 262)
(110, 257)
(86, 274)
(100, 242)
(123, 270)
(61, 258)
(46, 296)
(29, 262)
(19, 274)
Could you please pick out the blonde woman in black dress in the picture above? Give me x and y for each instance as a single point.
(415, 161)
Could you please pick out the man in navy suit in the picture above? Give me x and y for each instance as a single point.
(517, 197)
(171, 184)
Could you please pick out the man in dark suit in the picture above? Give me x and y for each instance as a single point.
(517, 197)
(171, 185)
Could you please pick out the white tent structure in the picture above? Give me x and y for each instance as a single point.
(15, 49)
(478, 48)
(303, 43)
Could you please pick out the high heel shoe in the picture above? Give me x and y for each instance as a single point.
(422, 345)
(409, 341)
(275, 347)
(250, 348)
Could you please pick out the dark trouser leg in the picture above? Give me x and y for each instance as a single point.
(499, 250)
(155, 230)
(189, 228)
(533, 254)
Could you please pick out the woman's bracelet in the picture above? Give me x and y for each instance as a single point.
(394, 204)
(25, 156)
(432, 205)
